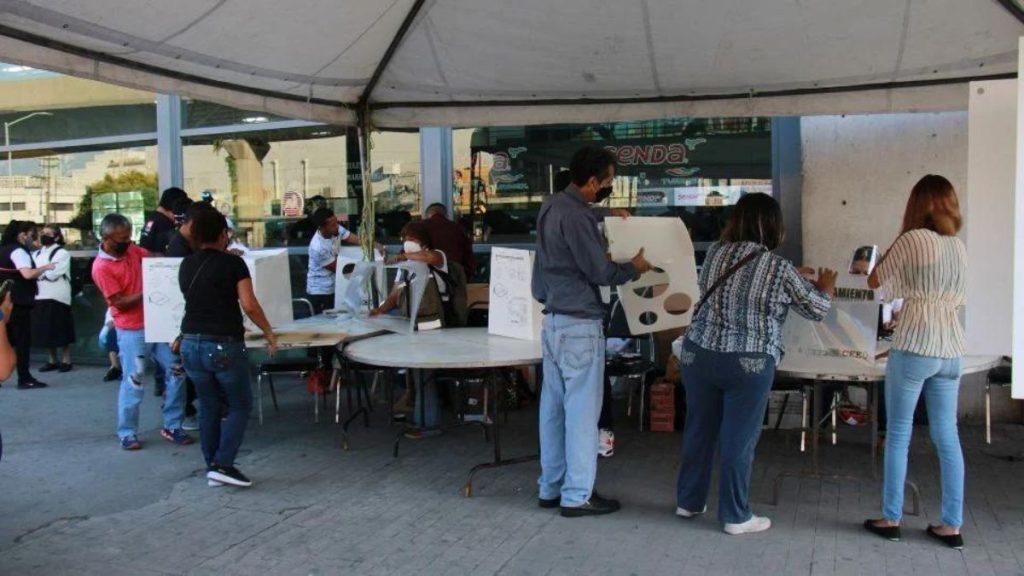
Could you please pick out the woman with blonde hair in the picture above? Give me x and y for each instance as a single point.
(926, 267)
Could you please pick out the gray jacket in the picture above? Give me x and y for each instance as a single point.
(571, 261)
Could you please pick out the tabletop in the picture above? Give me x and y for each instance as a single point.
(864, 372)
(315, 331)
(449, 348)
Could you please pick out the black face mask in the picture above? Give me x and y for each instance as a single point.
(603, 194)
(47, 240)
(121, 247)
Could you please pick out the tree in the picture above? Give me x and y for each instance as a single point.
(130, 181)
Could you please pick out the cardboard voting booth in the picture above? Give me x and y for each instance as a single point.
(416, 276)
(512, 311)
(663, 298)
(845, 340)
(348, 258)
(164, 304)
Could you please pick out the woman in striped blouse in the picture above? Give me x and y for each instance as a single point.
(926, 266)
(730, 354)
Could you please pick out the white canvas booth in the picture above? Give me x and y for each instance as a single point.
(465, 63)
(163, 303)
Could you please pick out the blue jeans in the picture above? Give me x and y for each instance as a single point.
(133, 351)
(726, 396)
(906, 377)
(570, 403)
(220, 371)
(428, 399)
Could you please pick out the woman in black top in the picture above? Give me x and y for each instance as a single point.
(215, 283)
(16, 264)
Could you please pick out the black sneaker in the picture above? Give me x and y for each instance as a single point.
(30, 384)
(549, 502)
(954, 541)
(596, 506)
(112, 375)
(49, 367)
(228, 475)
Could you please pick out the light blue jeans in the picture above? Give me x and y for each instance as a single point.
(907, 376)
(133, 354)
(570, 404)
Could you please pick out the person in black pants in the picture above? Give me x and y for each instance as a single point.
(16, 264)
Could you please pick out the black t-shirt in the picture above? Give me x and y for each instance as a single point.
(178, 246)
(211, 305)
(157, 233)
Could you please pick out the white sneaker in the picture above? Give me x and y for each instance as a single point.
(606, 444)
(190, 423)
(755, 524)
(684, 513)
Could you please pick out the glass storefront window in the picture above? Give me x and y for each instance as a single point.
(395, 177)
(688, 167)
(268, 181)
(200, 114)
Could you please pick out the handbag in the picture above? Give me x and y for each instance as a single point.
(725, 276)
(176, 344)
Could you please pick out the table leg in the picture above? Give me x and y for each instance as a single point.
(873, 388)
(495, 425)
(815, 426)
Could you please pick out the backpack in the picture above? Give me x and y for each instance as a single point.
(448, 308)
(456, 310)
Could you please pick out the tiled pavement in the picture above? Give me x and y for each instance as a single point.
(72, 503)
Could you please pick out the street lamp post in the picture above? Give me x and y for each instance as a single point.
(10, 157)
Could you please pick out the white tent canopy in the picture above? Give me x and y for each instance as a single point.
(487, 62)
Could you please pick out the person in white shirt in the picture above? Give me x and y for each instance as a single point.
(323, 258)
(53, 326)
(16, 245)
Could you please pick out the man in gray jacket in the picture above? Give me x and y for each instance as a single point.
(571, 264)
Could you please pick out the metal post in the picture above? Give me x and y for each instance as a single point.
(277, 179)
(10, 155)
(168, 141)
(305, 177)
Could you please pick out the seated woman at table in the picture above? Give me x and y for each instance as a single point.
(730, 353)
(926, 266)
(418, 247)
(215, 283)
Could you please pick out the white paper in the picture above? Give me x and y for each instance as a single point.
(667, 246)
(512, 311)
(163, 304)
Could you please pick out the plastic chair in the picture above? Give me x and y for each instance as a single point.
(632, 367)
(1000, 376)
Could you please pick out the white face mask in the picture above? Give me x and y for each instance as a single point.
(409, 246)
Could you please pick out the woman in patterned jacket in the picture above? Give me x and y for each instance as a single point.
(730, 354)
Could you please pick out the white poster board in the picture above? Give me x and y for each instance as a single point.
(991, 160)
(512, 311)
(164, 304)
(662, 299)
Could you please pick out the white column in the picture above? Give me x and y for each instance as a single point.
(168, 141)
(436, 167)
(1018, 232)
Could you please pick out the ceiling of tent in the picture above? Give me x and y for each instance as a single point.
(480, 62)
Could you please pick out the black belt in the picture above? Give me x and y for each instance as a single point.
(213, 338)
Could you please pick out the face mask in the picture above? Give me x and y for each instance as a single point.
(47, 240)
(121, 247)
(409, 246)
(603, 194)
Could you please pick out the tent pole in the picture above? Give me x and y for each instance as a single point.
(368, 218)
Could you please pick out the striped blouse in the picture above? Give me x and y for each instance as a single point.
(929, 272)
(746, 313)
